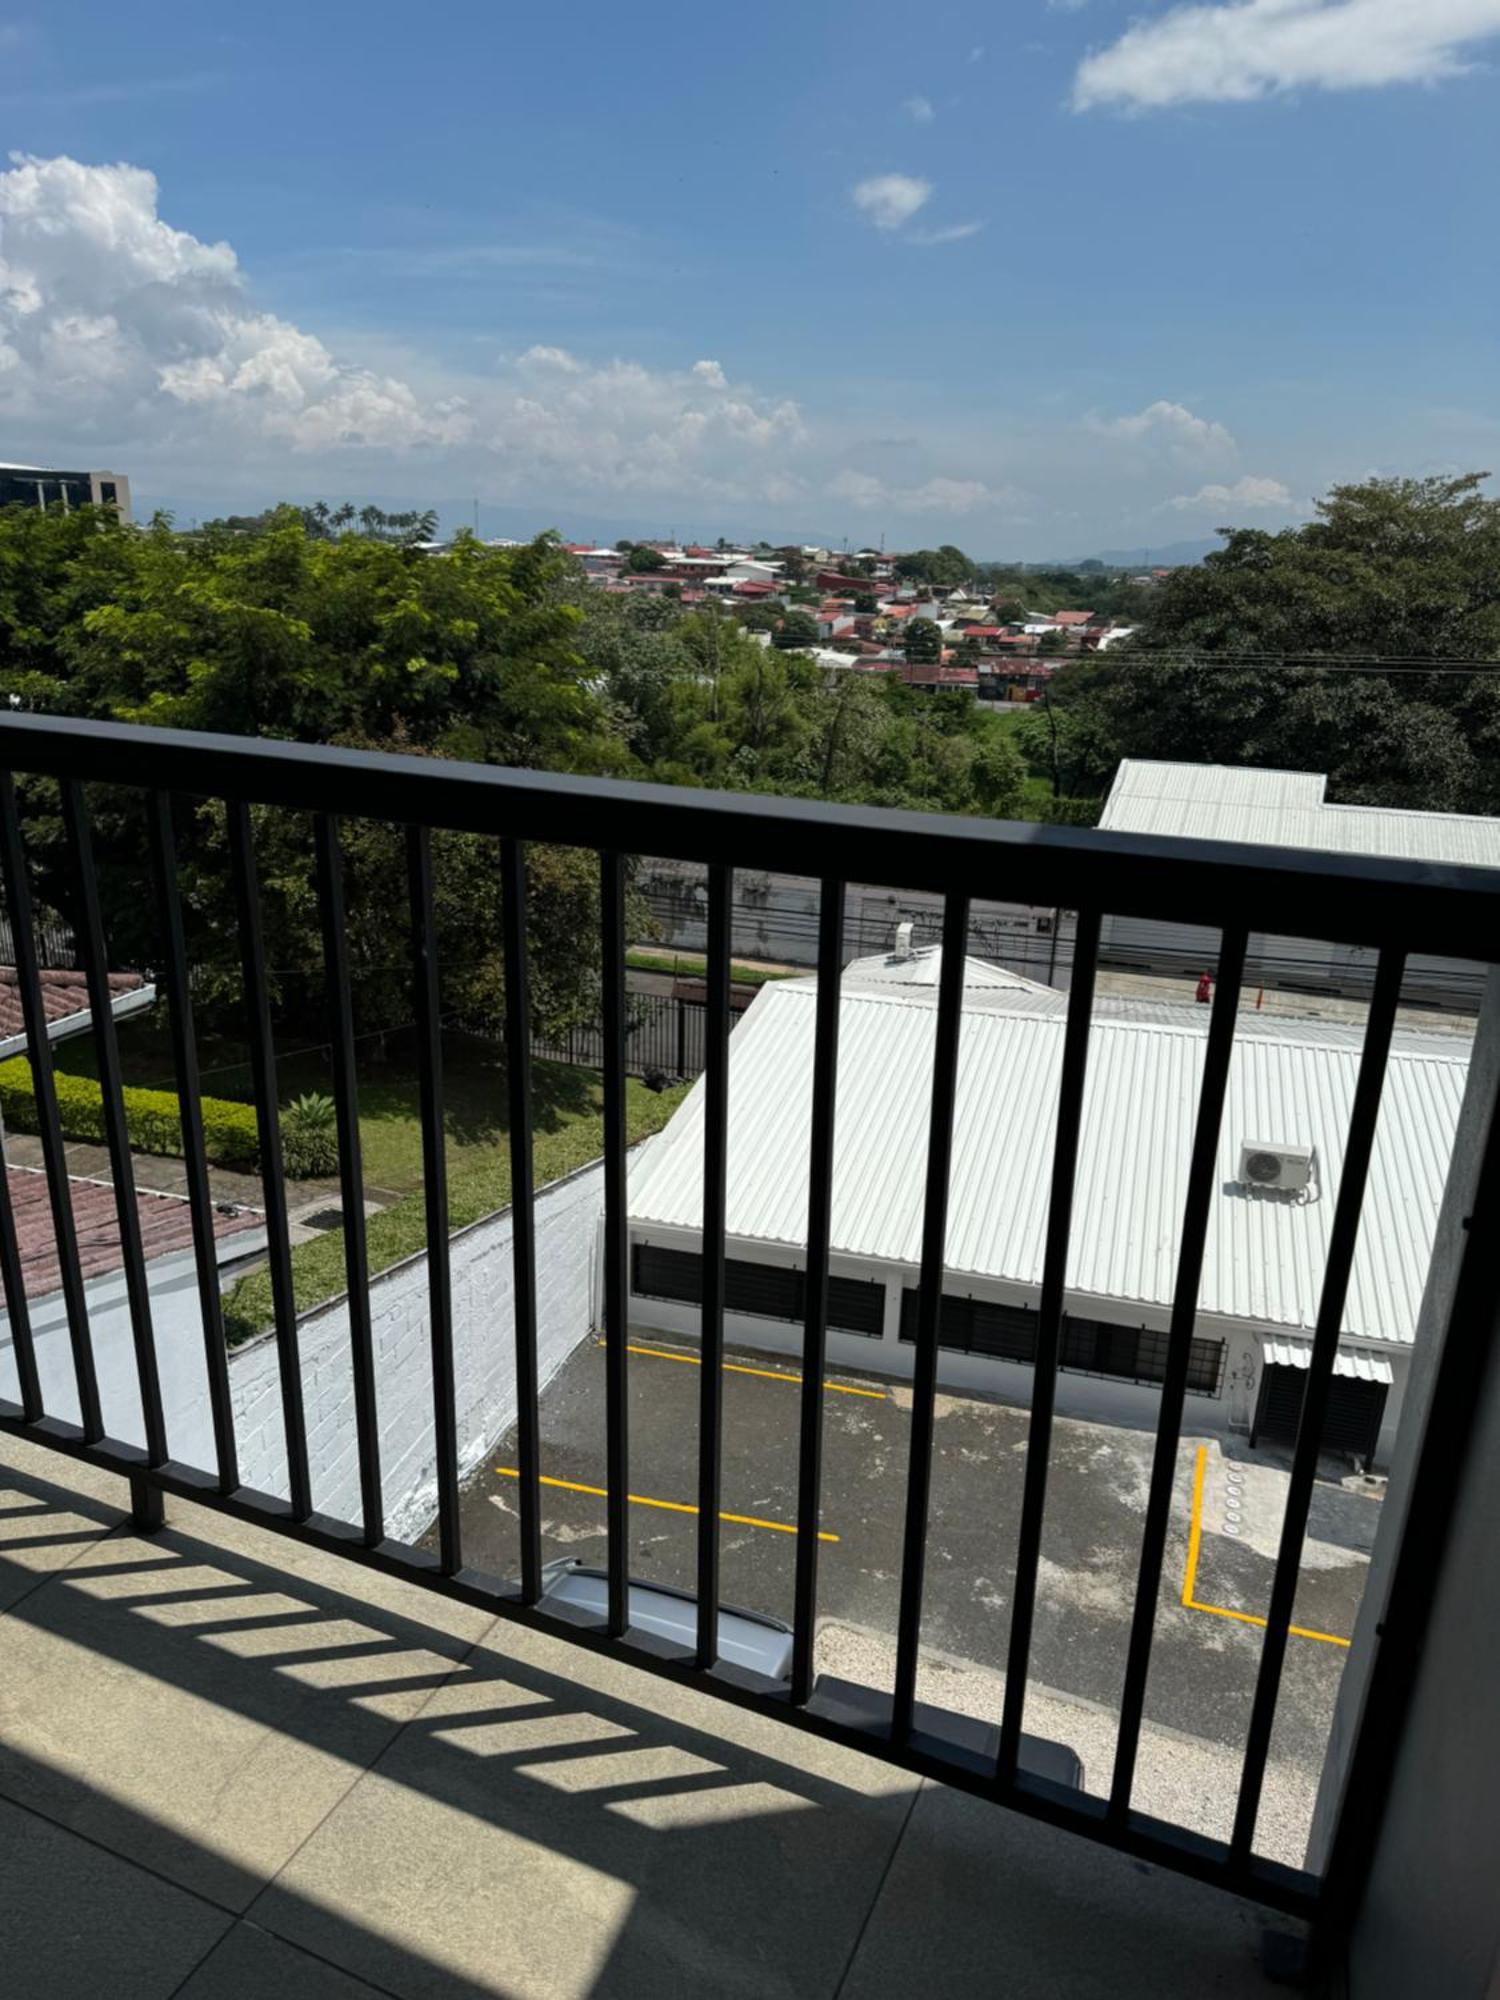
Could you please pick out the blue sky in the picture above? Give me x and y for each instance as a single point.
(1035, 278)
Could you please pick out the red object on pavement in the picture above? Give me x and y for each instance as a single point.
(1205, 986)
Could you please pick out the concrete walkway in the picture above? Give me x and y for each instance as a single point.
(231, 1767)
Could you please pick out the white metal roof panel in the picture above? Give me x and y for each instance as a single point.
(1286, 809)
(1352, 1362)
(924, 967)
(1265, 1254)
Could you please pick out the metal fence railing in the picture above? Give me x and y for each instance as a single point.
(1392, 907)
(665, 1037)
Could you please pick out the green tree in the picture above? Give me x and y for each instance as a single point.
(642, 561)
(797, 629)
(1269, 651)
(923, 640)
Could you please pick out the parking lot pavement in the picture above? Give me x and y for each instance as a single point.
(1206, 1649)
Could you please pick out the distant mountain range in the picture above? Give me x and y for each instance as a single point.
(1171, 555)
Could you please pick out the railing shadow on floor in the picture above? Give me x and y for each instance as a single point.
(704, 1854)
(532, 1753)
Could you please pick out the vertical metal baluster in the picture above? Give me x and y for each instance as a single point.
(49, 1124)
(116, 1136)
(616, 1275)
(174, 977)
(523, 1219)
(715, 1203)
(1071, 1080)
(16, 1310)
(815, 1308)
(272, 1172)
(1342, 1240)
(929, 1308)
(1201, 1189)
(351, 1171)
(435, 1191)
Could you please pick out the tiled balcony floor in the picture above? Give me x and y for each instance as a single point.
(230, 1766)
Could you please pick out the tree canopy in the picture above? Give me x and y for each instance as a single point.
(290, 627)
(1327, 647)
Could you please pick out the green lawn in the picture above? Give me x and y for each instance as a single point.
(692, 965)
(569, 1132)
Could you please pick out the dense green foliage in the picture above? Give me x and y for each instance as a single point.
(153, 1118)
(283, 626)
(358, 641)
(1309, 650)
(697, 701)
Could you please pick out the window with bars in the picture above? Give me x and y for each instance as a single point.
(977, 1326)
(1089, 1346)
(761, 1291)
(1137, 1354)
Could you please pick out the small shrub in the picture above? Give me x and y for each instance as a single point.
(309, 1138)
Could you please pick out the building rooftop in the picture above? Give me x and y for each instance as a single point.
(166, 1227)
(1286, 809)
(1290, 1083)
(66, 1001)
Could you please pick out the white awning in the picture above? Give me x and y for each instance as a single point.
(1349, 1361)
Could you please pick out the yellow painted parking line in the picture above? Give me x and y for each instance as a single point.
(740, 1368)
(667, 1506)
(1190, 1572)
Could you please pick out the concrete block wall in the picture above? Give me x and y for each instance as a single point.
(566, 1217)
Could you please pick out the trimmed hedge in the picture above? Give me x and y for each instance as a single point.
(152, 1117)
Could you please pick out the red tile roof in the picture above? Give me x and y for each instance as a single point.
(63, 994)
(1071, 617)
(166, 1226)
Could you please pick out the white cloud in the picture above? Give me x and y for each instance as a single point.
(919, 110)
(888, 200)
(108, 312)
(938, 495)
(1247, 492)
(1253, 48)
(952, 232)
(976, 54)
(1172, 424)
(144, 340)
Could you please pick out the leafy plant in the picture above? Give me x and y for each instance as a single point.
(309, 1138)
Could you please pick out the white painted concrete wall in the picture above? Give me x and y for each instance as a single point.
(566, 1222)
(178, 1326)
(480, 1256)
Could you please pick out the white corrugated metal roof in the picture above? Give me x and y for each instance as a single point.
(924, 967)
(1286, 809)
(1293, 1081)
(1354, 1362)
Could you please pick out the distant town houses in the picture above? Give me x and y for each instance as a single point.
(864, 609)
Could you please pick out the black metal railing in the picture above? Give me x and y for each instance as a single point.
(1395, 908)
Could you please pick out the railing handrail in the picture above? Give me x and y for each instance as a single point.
(1421, 906)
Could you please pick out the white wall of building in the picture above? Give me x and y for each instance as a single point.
(480, 1259)
(1104, 1399)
